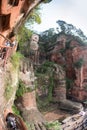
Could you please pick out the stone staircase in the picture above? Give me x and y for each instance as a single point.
(75, 122)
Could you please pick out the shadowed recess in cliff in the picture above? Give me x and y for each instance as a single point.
(4, 21)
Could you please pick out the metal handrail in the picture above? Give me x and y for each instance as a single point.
(5, 37)
(5, 55)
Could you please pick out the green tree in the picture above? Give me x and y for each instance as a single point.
(47, 70)
(34, 17)
(47, 1)
(48, 38)
(78, 64)
(71, 30)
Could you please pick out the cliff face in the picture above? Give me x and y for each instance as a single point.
(73, 56)
(12, 15)
(81, 74)
(8, 81)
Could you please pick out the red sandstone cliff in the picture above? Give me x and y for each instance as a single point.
(12, 15)
(68, 53)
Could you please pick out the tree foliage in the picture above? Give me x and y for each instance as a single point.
(34, 17)
(47, 1)
(69, 29)
(54, 125)
(78, 64)
(26, 31)
(47, 69)
(48, 38)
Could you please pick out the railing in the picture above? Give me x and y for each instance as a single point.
(5, 53)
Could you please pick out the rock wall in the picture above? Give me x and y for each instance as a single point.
(12, 15)
(81, 73)
(9, 82)
(69, 53)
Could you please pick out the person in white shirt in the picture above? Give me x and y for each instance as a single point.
(82, 113)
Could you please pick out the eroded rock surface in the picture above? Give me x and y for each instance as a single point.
(27, 103)
(9, 81)
(60, 92)
(31, 115)
(72, 55)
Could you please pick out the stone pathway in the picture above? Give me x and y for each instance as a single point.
(75, 122)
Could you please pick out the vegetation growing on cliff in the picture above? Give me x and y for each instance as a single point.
(22, 89)
(53, 125)
(15, 59)
(69, 29)
(15, 110)
(78, 64)
(46, 71)
(8, 92)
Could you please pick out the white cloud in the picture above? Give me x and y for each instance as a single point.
(71, 11)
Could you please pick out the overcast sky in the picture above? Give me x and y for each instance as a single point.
(70, 11)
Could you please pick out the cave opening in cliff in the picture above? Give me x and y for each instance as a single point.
(4, 22)
(13, 2)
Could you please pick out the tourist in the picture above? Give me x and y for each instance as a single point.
(14, 43)
(82, 113)
(11, 121)
(7, 43)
